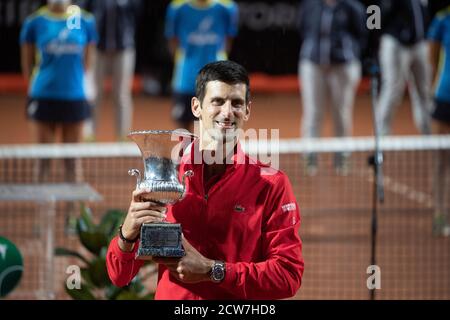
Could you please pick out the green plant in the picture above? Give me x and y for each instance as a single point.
(95, 283)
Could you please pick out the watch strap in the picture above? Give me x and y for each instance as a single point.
(122, 237)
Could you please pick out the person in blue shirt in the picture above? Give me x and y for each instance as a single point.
(56, 43)
(199, 32)
(439, 38)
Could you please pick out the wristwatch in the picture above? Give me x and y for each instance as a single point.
(218, 271)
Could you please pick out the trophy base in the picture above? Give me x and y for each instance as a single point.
(160, 240)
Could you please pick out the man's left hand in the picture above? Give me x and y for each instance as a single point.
(191, 268)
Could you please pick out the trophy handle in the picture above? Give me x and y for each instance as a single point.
(137, 174)
(188, 173)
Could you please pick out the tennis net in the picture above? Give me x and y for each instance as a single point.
(336, 204)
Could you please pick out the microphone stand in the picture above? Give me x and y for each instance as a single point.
(376, 161)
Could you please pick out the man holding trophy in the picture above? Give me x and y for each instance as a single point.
(239, 218)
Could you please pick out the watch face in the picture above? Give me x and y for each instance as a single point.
(218, 272)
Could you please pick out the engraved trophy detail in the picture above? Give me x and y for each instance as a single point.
(161, 151)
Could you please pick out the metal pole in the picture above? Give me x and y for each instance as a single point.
(377, 162)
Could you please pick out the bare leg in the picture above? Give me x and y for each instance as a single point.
(72, 133)
(42, 132)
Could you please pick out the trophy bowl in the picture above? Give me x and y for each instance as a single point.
(161, 151)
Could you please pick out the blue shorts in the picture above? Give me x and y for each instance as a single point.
(182, 111)
(48, 110)
(441, 111)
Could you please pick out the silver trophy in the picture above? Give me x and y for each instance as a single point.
(161, 151)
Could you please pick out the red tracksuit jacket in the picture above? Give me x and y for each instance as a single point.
(249, 218)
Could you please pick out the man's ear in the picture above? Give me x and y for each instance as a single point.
(196, 107)
(247, 111)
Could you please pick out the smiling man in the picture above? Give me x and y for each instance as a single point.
(240, 218)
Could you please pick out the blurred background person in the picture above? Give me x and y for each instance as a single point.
(404, 59)
(56, 45)
(333, 34)
(116, 56)
(439, 37)
(199, 32)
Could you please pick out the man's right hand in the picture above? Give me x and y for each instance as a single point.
(139, 212)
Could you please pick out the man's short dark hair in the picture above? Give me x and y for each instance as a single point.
(226, 71)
